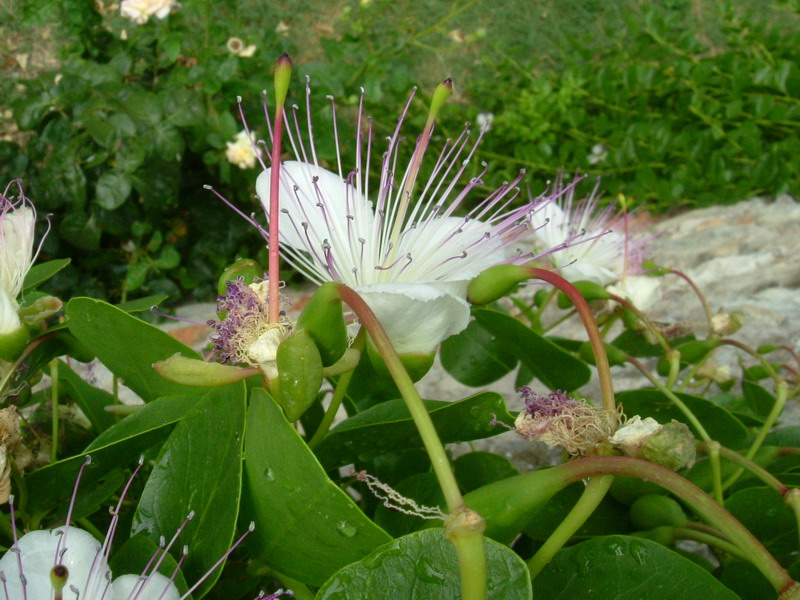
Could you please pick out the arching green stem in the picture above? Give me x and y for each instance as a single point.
(338, 396)
(592, 495)
(464, 527)
(595, 339)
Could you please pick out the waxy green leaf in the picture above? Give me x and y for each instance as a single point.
(40, 273)
(199, 469)
(119, 445)
(127, 346)
(388, 426)
(477, 357)
(550, 364)
(625, 568)
(306, 526)
(424, 566)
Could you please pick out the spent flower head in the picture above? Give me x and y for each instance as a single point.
(558, 420)
(412, 250)
(245, 334)
(241, 152)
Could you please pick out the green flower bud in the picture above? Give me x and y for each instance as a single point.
(299, 374)
(246, 268)
(495, 282)
(656, 510)
(192, 371)
(615, 355)
(588, 289)
(13, 343)
(323, 319)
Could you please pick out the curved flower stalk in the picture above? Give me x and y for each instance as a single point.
(409, 253)
(68, 563)
(17, 234)
(595, 244)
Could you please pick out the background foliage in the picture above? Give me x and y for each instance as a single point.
(677, 103)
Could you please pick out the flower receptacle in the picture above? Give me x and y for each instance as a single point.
(495, 282)
(323, 320)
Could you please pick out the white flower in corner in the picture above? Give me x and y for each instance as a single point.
(140, 11)
(241, 152)
(408, 253)
(17, 226)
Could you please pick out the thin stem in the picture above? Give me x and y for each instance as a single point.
(747, 463)
(698, 293)
(792, 500)
(54, 403)
(464, 527)
(710, 540)
(595, 339)
(427, 431)
(700, 502)
(592, 495)
(338, 396)
(713, 451)
(777, 409)
(274, 211)
(745, 348)
(662, 341)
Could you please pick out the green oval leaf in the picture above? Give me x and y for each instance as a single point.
(625, 568)
(112, 190)
(198, 469)
(424, 566)
(127, 346)
(118, 445)
(476, 357)
(388, 426)
(553, 366)
(720, 424)
(306, 526)
(40, 273)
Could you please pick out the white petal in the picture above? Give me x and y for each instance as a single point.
(37, 550)
(9, 319)
(641, 290)
(301, 196)
(16, 248)
(122, 587)
(416, 316)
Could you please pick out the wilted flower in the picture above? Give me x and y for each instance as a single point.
(558, 420)
(241, 152)
(671, 445)
(140, 11)
(236, 46)
(17, 225)
(246, 335)
(72, 561)
(484, 120)
(408, 255)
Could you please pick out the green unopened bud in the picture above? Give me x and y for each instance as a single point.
(673, 447)
(440, 96)
(664, 535)
(13, 343)
(495, 282)
(727, 324)
(192, 371)
(323, 319)
(283, 76)
(657, 510)
(615, 355)
(299, 374)
(588, 289)
(417, 365)
(245, 268)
